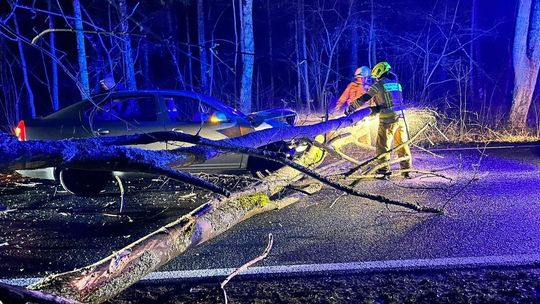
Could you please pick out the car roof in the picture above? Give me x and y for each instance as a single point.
(98, 98)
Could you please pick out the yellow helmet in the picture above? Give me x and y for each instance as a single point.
(380, 68)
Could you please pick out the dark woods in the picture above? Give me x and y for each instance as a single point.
(455, 56)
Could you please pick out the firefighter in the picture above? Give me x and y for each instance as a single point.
(359, 86)
(392, 126)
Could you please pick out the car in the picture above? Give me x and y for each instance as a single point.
(132, 112)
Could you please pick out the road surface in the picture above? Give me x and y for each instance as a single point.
(492, 209)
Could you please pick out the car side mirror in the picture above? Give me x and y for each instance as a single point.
(218, 117)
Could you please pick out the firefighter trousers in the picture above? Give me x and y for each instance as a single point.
(393, 131)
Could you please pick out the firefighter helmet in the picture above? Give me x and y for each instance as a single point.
(362, 71)
(380, 68)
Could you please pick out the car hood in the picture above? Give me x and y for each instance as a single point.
(257, 118)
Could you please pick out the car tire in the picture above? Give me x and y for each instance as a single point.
(260, 166)
(84, 182)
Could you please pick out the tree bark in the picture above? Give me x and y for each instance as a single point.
(84, 85)
(247, 47)
(24, 68)
(129, 65)
(270, 48)
(355, 42)
(202, 46)
(189, 55)
(372, 59)
(526, 54)
(54, 65)
(173, 45)
(303, 60)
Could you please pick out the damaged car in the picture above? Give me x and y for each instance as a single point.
(135, 112)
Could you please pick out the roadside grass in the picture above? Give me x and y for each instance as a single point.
(445, 129)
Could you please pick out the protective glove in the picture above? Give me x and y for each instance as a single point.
(375, 109)
(348, 111)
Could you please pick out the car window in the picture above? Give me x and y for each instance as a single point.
(135, 109)
(190, 110)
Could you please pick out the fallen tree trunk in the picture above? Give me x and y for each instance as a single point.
(101, 281)
(98, 282)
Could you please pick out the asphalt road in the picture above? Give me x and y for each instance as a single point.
(492, 206)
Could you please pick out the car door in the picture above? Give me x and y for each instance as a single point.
(123, 115)
(193, 116)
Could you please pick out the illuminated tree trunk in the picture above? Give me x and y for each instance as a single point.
(354, 35)
(202, 46)
(270, 48)
(247, 47)
(372, 51)
(173, 45)
(189, 54)
(24, 67)
(526, 60)
(303, 48)
(129, 66)
(54, 65)
(81, 51)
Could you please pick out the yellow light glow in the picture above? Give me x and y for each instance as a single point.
(214, 119)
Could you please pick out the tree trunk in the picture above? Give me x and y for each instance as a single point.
(526, 53)
(372, 52)
(24, 68)
(355, 44)
(473, 51)
(202, 46)
(54, 65)
(247, 47)
(173, 45)
(270, 49)
(84, 85)
(189, 55)
(104, 279)
(147, 83)
(304, 55)
(129, 65)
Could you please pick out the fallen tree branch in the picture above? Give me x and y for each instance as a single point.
(246, 265)
(16, 294)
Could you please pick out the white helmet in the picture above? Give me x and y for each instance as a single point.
(362, 71)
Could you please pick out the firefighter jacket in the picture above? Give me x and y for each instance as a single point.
(354, 90)
(387, 95)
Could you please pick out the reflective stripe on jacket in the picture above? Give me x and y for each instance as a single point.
(388, 95)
